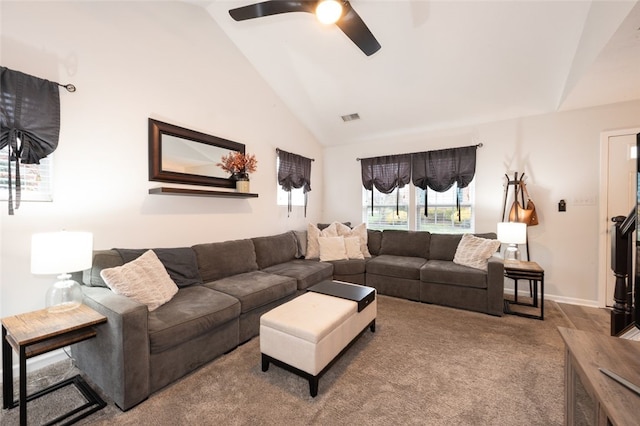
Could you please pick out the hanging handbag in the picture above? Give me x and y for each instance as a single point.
(518, 213)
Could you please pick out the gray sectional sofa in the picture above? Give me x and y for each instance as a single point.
(230, 284)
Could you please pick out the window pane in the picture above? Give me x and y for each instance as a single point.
(297, 197)
(442, 214)
(35, 178)
(385, 214)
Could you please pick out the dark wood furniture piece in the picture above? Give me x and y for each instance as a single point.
(38, 332)
(591, 397)
(524, 270)
(200, 192)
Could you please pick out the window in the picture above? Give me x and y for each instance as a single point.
(297, 194)
(443, 214)
(35, 179)
(390, 211)
(297, 197)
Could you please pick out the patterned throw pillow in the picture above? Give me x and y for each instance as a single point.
(475, 252)
(144, 279)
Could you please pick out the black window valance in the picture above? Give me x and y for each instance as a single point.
(438, 170)
(29, 122)
(441, 169)
(386, 173)
(294, 171)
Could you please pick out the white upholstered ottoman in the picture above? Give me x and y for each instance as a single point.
(308, 333)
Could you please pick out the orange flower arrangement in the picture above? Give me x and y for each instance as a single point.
(237, 162)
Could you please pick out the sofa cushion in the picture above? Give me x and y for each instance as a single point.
(396, 266)
(180, 263)
(144, 280)
(193, 311)
(219, 260)
(474, 251)
(322, 226)
(275, 249)
(349, 267)
(374, 241)
(306, 272)
(255, 289)
(447, 272)
(443, 246)
(405, 243)
(301, 239)
(102, 259)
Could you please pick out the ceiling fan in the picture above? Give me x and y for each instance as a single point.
(346, 18)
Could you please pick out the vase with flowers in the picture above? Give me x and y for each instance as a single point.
(239, 165)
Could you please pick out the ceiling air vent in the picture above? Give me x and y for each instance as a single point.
(350, 117)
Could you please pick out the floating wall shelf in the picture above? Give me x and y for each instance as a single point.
(200, 193)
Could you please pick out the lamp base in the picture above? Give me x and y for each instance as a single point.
(64, 295)
(512, 252)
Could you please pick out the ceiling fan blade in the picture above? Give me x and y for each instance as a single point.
(273, 7)
(354, 27)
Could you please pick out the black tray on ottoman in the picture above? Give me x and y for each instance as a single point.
(358, 293)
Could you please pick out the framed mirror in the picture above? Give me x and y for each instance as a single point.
(180, 155)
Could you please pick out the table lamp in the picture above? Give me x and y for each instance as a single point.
(59, 253)
(512, 233)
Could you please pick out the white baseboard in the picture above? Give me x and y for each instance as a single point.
(39, 362)
(559, 299)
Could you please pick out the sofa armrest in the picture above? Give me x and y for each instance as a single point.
(117, 359)
(495, 285)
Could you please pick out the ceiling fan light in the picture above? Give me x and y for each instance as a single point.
(328, 11)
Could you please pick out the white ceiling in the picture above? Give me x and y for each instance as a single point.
(442, 63)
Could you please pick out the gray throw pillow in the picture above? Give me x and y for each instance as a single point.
(180, 263)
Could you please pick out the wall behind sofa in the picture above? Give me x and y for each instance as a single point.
(130, 61)
(560, 155)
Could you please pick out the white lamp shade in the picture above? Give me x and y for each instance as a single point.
(512, 232)
(328, 11)
(54, 253)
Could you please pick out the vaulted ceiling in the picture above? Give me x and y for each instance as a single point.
(442, 63)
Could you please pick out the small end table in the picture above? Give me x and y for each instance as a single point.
(525, 270)
(38, 332)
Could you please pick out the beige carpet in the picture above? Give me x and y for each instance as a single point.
(425, 364)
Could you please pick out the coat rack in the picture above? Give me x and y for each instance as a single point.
(515, 183)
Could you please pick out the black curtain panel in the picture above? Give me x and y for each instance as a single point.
(441, 169)
(385, 174)
(294, 171)
(29, 122)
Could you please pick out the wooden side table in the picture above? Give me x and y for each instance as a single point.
(38, 332)
(524, 270)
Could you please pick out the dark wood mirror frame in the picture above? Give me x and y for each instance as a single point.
(156, 173)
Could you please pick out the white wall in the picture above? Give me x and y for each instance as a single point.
(130, 61)
(560, 155)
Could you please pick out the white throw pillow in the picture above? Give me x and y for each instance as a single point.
(144, 279)
(352, 244)
(313, 233)
(332, 248)
(359, 231)
(475, 251)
